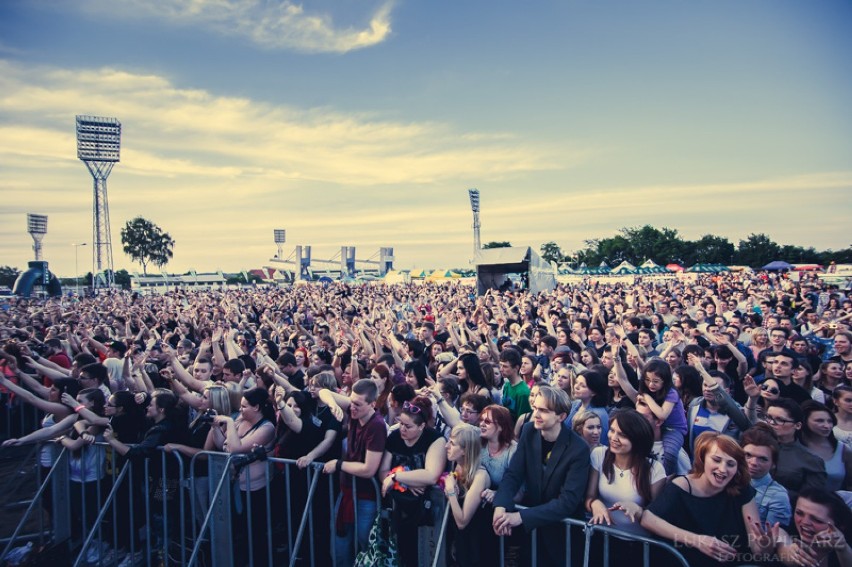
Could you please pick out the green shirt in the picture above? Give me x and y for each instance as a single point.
(516, 398)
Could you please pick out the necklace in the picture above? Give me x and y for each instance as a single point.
(620, 470)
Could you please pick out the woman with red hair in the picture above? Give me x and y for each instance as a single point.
(710, 514)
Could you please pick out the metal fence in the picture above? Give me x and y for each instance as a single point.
(169, 510)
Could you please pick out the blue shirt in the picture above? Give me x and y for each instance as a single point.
(773, 502)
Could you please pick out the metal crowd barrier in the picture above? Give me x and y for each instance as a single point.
(307, 522)
(156, 510)
(17, 418)
(607, 533)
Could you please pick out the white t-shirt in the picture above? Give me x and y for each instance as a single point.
(622, 488)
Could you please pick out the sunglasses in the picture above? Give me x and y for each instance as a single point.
(412, 408)
(771, 389)
(486, 421)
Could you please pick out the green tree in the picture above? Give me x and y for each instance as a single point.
(8, 275)
(122, 278)
(493, 244)
(146, 243)
(757, 250)
(551, 252)
(838, 256)
(649, 243)
(709, 249)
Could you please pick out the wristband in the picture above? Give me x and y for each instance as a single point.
(339, 466)
(451, 494)
(78, 408)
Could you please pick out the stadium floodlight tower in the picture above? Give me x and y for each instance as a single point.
(98, 146)
(37, 227)
(280, 236)
(474, 206)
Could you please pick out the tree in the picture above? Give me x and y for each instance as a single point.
(710, 249)
(757, 250)
(551, 252)
(122, 278)
(492, 244)
(8, 275)
(146, 243)
(649, 243)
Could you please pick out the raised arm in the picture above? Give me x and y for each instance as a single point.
(32, 399)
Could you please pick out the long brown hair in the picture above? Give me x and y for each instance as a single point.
(636, 428)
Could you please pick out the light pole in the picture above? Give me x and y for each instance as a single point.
(76, 272)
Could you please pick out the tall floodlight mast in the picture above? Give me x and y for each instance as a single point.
(474, 206)
(98, 146)
(280, 236)
(37, 227)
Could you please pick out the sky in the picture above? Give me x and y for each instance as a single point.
(364, 123)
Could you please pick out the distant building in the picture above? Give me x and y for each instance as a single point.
(163, 283)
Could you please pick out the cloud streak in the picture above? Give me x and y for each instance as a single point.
(201, 165)
(233, 137)
(269, 25)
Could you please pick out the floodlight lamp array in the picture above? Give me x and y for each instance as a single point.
(474, 199)
(98, 138)
(36, 224)
(280, 235)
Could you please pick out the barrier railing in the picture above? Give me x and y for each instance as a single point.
(607, 533)
(36, 500)
(17, 418)
(289, 518)
(301, 516)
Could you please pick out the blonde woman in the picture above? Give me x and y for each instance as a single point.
(759, 341)
(588, 426)
(463, 489)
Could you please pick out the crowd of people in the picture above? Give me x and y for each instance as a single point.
(714, 413)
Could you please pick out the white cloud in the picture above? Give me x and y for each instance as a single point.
(219, 173)
(270, 25)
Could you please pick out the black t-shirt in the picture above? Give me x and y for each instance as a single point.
(294, 445)
(198, 431)
(297, 379)
(719, 516)
(413, 457)
(546, 448)
(794, 392)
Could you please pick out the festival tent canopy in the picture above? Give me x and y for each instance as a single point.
(807, 267)
(707, 269)
(777, 266)
(674, 267)
(624, 268)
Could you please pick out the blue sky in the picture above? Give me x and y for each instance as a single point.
(364, 123)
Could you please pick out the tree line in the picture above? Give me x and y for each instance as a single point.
(665, 246)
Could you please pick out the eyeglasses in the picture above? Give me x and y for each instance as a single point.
(409, 407)
(777, 420)
(771, 389)
(468, 410)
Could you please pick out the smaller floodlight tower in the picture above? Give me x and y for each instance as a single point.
(474, 206)
(98, 146)
(37, 227)
(280, 238)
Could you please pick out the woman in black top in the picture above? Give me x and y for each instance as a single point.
(710, 514)
(414, 458)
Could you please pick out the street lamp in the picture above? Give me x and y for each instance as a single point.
(76, 271)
